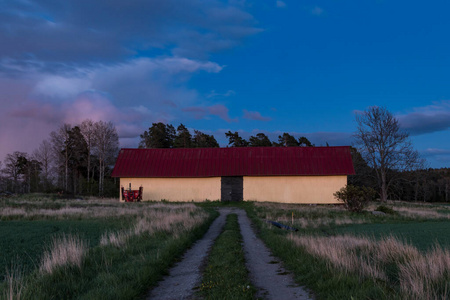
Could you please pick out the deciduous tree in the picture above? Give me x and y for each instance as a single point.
(384, 146)
(87, 129)
(105, 148)
(43, 154)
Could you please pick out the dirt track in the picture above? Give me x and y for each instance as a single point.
(270, 278)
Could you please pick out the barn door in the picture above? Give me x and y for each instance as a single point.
(232, 188)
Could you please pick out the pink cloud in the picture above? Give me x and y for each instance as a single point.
(91, 105)
(255, 115)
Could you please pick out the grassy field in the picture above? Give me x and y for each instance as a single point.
(424, 234)
(24, 242)
(342, 255)
(90, 249)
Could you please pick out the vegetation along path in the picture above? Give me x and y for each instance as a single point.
(266, 273)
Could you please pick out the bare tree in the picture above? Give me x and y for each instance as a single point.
(105, 147)
(384, 146)
(44, 154)
(87, 129)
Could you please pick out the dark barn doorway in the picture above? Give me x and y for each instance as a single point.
(232, 188)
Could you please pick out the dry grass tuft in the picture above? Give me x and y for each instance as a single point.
(426, 275)
(15, 284)
(421, 275)
(68, 250)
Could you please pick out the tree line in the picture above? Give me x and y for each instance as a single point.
(74, 159)
(161, 135)
(78, 159)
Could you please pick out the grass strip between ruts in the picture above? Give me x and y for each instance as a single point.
(226, 276)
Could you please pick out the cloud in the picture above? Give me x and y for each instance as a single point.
(65, 61)
(440, 155)
(214, 94)
(62, 34)
(203, 112)
(255, 115)
(427, 119)
(316, 11)
(281, 4)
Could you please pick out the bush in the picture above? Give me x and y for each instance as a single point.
(386, 209)
(355, 198)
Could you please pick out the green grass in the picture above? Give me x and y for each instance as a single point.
(23, 242)
(106, 272)
(423, 235)
(226, 276)
(111, 273)
(314, 272)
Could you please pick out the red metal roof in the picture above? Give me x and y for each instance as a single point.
(245, 161)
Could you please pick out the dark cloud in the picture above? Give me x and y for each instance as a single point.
(428, 119)
(123, 61)
(83, 32)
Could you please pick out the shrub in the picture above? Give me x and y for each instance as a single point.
(387, 210)
(355, 198)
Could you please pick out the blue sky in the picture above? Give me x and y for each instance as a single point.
(302, 67)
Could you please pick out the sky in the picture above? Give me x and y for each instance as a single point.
(299, 66)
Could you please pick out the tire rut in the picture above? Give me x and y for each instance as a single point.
(265, 271)
(186, 274)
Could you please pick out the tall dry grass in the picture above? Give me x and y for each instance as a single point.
(172, 219)
(14, 281)
(419, 275)
(307, 216)
(422, 212)
(83, 209)
(67, 250)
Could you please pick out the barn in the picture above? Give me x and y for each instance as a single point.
(273, 174)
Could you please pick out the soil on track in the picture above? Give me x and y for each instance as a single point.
(266, 273)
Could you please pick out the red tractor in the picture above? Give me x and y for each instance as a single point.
(129, 195)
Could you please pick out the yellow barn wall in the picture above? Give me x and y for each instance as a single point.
(175, 189)
(293, 189)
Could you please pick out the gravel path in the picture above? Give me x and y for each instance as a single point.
(185, 275)
(266, 273)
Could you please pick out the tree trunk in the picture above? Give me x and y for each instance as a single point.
(383, 196)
